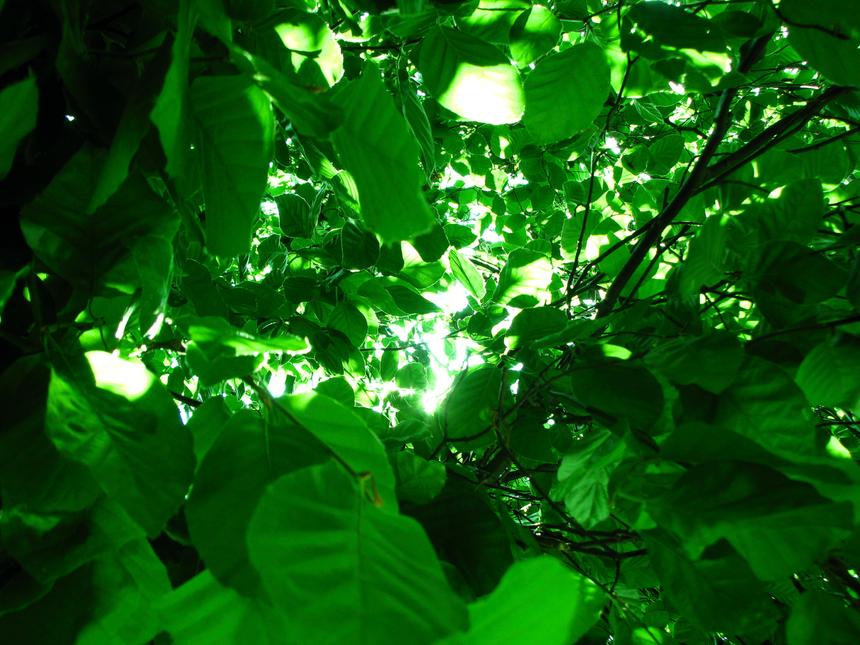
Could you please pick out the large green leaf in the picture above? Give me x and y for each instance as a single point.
(818, 617)
(323, 549)
(204, 611)
(171, 112)
(418, 480)
(125, 427)
(711, 361)
(470, 77)
(766, 405)
(524, 279)
(583, 477)
(533, 34)
(347, 436)
(18, 109)
(466, 272)
(33, 473)
(235, 127)
(80, 246)
(778, 525)
(132, 128)
(718, 592)
(375, 145)
(531, 325)
(828, 375)
(468, 534)
(111, 600)
(539, 600)
(311, 114)
(820, 33)
(565, 92)
(469, 411)
(671, 25)
(491, 20)
(706, 258)
(247, 455)
(621, 390)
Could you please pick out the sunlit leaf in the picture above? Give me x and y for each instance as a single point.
(375, 146)
(470, 77)
(565, 92)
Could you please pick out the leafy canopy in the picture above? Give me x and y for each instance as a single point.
(362, 321)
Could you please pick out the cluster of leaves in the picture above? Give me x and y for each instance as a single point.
(429, 321)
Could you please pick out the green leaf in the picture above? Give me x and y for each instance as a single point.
(818, 617)
(339, 389)
(216, 330)
(416, 117)
(349, 320)
(710, 361)
(565, 92)
(432, 245)
(539, 600)
(49, 545)
(664, 153)
(216, 363)
(766, 405)
(583, 477)
(533, 34)
(524, 279)
(347, 436)
(82, 247)
(828, 375)
(466, 272)
(822, 35)
(468, 412)
(235, 127)
(412, 376)
(230, 480)
(132, 128)
(314, 52)
(675, 27)
(171, 113)
(294, 215)
(311, 114)
(467, 533)
(19, 104)
(111, 600)
(147, 274)
(315, 535)
(33, 473)
(410, 301)
(206, 425)
(470, 77)
(359, 248)
(706, 258)
(531, 325)
(125, 427)
(202, 610)
(779, 526)
(619, 389)
(715, 593)
(376, 147)
(491, 20)
(418, 480)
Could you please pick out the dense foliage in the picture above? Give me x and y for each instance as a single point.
(357, 321)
